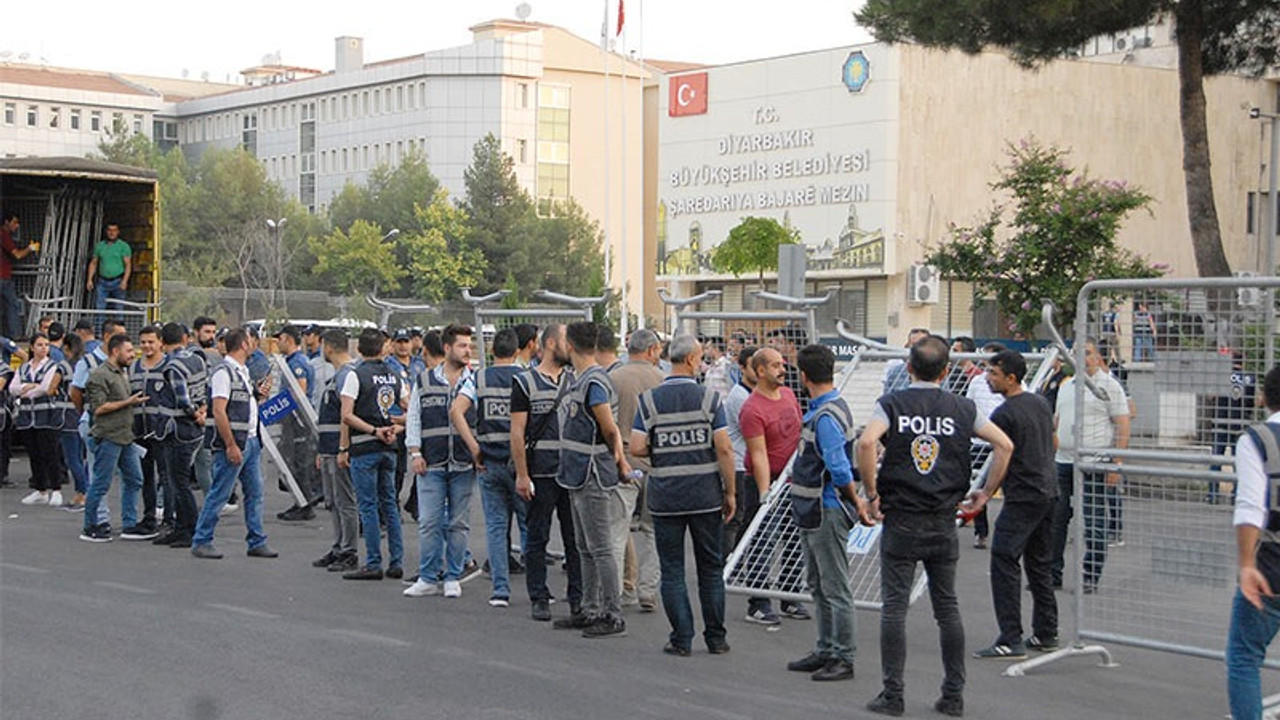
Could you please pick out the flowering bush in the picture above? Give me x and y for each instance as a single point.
(1057, 233)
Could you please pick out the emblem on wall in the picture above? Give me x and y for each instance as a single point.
(856, 71)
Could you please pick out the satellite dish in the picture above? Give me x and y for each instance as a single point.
(523, 11)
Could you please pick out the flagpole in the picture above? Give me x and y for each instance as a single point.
(640, 53)
(626, 147)
(608, 236)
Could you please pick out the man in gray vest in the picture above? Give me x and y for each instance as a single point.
(591, 463)
(236, 452)
(681, 426)
(924, 476)
(184, 406)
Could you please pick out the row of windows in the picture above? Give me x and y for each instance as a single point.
(338, 160)
(57, 117)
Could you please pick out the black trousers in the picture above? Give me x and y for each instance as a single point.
(44, 448)
(550, 499)
(929, 539)
(178, 461)
(153, 472)
(1024, 534)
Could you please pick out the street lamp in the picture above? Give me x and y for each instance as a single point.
(1269, 222)
(391, 234)
(277, 225)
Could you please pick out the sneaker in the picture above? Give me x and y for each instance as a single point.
(164, 537)
(499, 602)
(763, 616)
(181, 539)
(470, 571)
(395, 572)
(606, 628)
(1001, 651)
(421, 589)
(328, 559)
(835, 669)
(796, 611)
(576, 621)
(138, 532)
(36, 497)
(148, 524)
(409, 580)
(262, 551)
(885, 704)
(344, 563)
(980, 542)
(205, 552)
(73, 507)
(515, 564)
(97, 534)
(452, 589)
(951, 706)
(55, 499)
(1048, 643)
(363, 573)
(1118, 542)
(297, 514)
(812, 662)
(648, 604)
(541, 611)
(718, 648)
(672, 649)
(228, 509)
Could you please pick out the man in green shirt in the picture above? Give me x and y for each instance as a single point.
(111, 402)
(110, 268)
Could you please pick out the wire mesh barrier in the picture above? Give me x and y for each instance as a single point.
(769, 562)
(492, 317)
(1173, 379)
(133, 315)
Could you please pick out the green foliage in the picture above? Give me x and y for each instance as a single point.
(752, 246)
(389, 196)
(441, 260)
(358, 261)
(499, 209)
(1060, 235)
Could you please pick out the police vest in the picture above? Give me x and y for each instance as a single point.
(379, 394)
(583, 453)
(493, 411)
(1267, 437)
(196, 372)
(330, 412)
(407, 378)
(685, 476)
(154, 421)
(440, 442)
(182, 421)
(69, 418)
(41, 413)
(544, 461)
(926, 466)
(238, 405)
(6, 400)
(809, 473)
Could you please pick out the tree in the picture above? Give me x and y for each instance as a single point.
(1213, 36)
(752, 246)
(1061, 234)
(441, 260)
(499, 211)
(388, 197)
(563, 253)
(357, 261)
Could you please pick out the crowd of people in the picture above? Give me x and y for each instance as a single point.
(677, 443)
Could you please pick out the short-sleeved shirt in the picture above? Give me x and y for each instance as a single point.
(1028, 421)
(111, 255)
(7, 248)
(733, 414)
(1098, 415)
(302, 369)
(778, 421)
(220, 387)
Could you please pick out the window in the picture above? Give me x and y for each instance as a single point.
(75, 119)
(346, 107)
(399, 98)
(33, 115)
(364, 98)
(345, 165)
(95, 121)
(10, 113)
(307, 191)
(522, 150)
(137, 124)
(553, 146)
(249, 133)
(523, 95)
(117, 123)
(55, 118)
(366, 156)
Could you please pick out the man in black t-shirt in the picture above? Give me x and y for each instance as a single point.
(1024, 530)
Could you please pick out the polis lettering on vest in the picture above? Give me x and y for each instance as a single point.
(494, 408)
(681, 438)
(917, 425)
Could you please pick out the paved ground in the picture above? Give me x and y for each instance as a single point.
(126, 630)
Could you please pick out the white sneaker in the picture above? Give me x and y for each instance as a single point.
(228, 509)
(55, 500)
(36, 497)
(499, 602)
(452, 589)
(422, 589)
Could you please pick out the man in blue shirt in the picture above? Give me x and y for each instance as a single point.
(296, 440)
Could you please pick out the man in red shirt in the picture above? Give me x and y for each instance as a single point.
(770, 421)
(9, 308)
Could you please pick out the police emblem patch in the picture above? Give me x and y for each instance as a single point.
(924, 453)
(386, 398)
(159, 385)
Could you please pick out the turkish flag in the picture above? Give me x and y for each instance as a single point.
(687, 95)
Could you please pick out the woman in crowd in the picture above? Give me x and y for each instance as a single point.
(40, 422)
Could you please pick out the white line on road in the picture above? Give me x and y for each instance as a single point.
(126, 588)
(242, 611)
(24, 568)
(371, 637)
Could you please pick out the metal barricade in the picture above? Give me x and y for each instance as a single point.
(386, 309)
(133, 315)
(491, 317)
(1155, 551)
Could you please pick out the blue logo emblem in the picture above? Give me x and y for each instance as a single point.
(856, 71)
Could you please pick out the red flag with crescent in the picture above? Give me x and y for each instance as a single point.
(687, 95)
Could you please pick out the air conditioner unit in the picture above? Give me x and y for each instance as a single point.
(1250, 297)
(1122, 43)
(922, 285)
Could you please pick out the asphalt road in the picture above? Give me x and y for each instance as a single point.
(128, 630)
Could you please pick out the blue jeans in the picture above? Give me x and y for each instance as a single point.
(444, 507)
(1144, 348)
(1252, 630)
(827, 575)
(498, 495)
(225, 474)
(104, 289)
(372, 476)
(107, 458)
(73, 456)
(104, 513)
(12, 315)
(706, 531)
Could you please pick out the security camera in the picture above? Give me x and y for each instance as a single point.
(1255, 113)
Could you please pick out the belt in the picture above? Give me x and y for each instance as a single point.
(103, 277)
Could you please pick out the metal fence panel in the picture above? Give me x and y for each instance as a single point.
(490, 317)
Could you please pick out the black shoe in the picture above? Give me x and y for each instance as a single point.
(262, 551)
(165, 537)
(344, 563)
(364, 573)
(809, 663)
(180, 539)
(1001, 651)
(515, 565)
(297, 514)
(835, 669)
(1048, 643)
(148, 524)
(952, 706)
(884, 704)
(206, 552)
(470, 571)
(329, 558)
(718, 648)
(541, 611)
(796, 611)
(576, 621)
(395, 572)
(673, 649)
(97, 534)
(138, 532)
(605, 628)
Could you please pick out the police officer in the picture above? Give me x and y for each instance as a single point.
(338, 490)
(490, 446)
(681, 426)
(536, 395)
(236, 451)
(151, 427)
(183, 406)
(402, 361)
(367, 445)
(924, 476)
(295, 437)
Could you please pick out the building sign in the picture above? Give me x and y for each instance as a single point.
(856, 71)
(688, 95)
